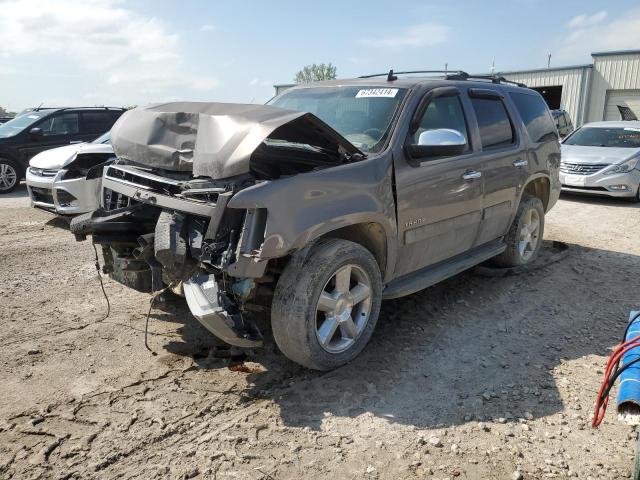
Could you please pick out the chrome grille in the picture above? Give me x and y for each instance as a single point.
(43, 172)
(581, 168)
(114, 200)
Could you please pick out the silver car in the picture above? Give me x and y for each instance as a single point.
(62, 180)
(602, 158)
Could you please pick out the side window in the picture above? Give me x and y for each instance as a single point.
(562, 122)
(62, 124)
(493, 121)
(96, 122)
(443, 112)
(535, 114)
(568, 120)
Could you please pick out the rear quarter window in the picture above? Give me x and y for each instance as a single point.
(97, 122)
(495, 127)
(536, 117)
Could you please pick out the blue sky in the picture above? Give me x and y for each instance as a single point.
(116, 52)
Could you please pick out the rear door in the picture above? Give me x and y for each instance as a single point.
(58, 129)
(500, 160)
(439, 199)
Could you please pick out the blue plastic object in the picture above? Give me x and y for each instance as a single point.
(629, 386)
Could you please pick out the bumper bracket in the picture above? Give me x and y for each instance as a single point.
(216, 312)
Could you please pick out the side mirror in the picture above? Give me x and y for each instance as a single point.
(440, 142)
(35, 133)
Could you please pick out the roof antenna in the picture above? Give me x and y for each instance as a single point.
(391, 77)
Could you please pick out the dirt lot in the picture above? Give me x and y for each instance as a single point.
(475, 378)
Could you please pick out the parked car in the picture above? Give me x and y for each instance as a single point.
(5, 119)
(318, 206)
(66, 180)
(601, 158)
(563, 122)
(44, 128)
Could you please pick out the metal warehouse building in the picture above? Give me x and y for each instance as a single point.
(592, 92)
(589, 92)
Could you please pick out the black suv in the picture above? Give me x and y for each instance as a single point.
(316, 207)
(43, 128)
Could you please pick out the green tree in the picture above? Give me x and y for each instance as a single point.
(316, 73)
(3, 112)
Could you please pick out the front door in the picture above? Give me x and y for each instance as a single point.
(58, 129)
(439, 200)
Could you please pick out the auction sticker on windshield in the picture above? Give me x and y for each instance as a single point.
(377, 92)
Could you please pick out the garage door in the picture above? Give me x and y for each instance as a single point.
(625, 98)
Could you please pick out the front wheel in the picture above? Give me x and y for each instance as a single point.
(9, 175)
(524, 238)
(326, 304)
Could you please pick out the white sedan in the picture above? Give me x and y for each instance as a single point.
(603, 158)
(67, 180)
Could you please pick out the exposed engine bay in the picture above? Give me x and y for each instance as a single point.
(164, 220)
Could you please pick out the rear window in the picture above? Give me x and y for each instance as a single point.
(495, 127)
(97, 122)
(536, 118)
(562, 122)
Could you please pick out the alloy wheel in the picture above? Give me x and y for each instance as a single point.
(343, 308)
(529, 234)
(8, 177)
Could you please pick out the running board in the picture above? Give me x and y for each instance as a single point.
(425, 277)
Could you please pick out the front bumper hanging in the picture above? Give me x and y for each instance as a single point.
(216, 313)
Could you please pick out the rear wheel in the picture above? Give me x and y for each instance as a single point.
(9, 175)
(524, 238)
(326, 304)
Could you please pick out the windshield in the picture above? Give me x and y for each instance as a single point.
(619, 137)
(104, 138)
(18, 124)
(361, 115)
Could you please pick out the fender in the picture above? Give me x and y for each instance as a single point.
(304, 207)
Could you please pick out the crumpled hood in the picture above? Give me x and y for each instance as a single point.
(60, 157)
(215, 140)
(597, 155)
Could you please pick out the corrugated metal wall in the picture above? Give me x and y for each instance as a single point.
(570, 79)
(612, 72)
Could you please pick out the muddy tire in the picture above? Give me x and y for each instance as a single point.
(10, 174)
(326, 304)
(524, 238)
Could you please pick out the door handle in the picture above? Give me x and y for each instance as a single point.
(471, 174)
(76, 141)
(520, 163)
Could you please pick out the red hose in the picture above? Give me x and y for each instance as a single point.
(612, 365)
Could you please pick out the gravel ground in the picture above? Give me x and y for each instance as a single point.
(474, 378)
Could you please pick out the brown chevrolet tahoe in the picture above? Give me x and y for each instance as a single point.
(329, 199)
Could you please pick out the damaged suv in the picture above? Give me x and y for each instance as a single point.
(322, 203)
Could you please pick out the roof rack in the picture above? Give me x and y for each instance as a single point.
(448, 74)
(492, 78)
(37, 109)
(391, 75)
